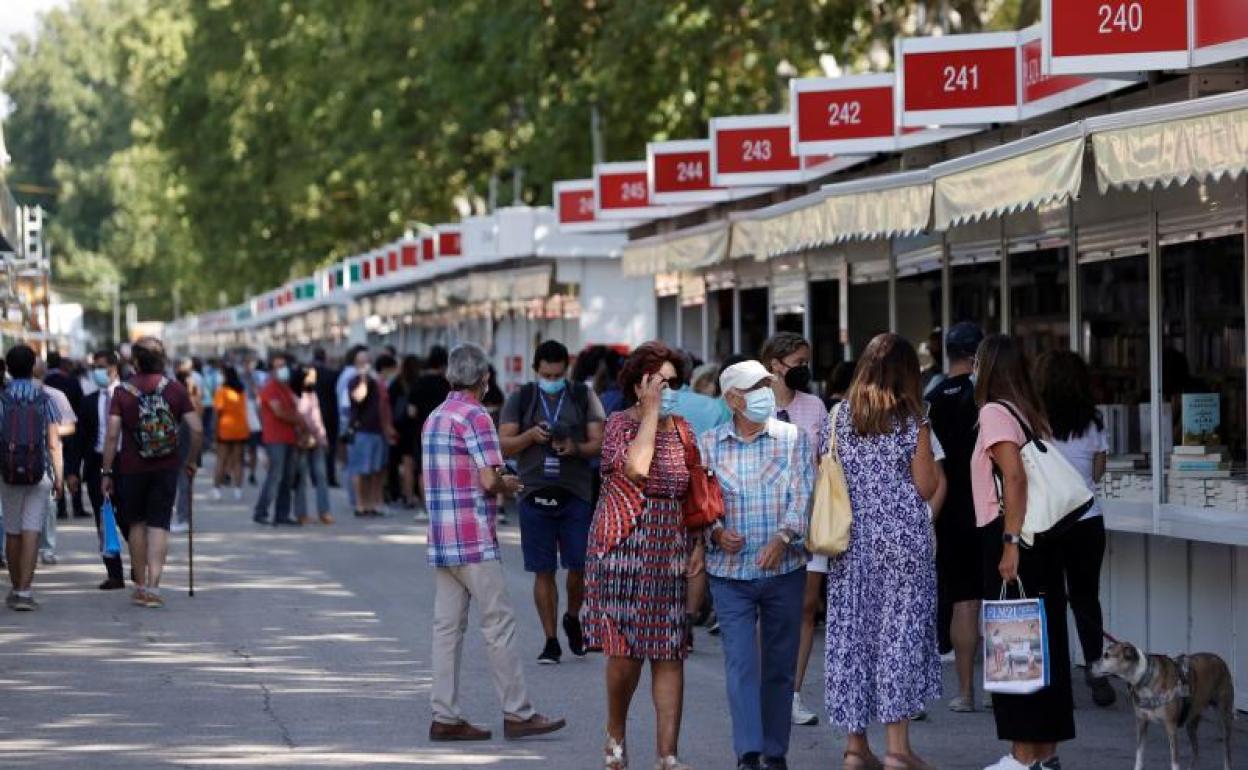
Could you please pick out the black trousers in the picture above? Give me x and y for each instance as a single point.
(1083, 552)
(331, 453)
(92, 464)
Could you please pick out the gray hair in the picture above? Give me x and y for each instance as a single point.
(467, 366)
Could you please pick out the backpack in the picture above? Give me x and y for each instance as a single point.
(156, 435)
(23, 453)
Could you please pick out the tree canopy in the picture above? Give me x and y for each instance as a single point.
(207, 149)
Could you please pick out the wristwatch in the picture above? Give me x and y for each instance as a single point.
(106, 472)
(1008, 539)
(786, 536)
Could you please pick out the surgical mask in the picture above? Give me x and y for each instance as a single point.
(798, 378)
(667, 403)
(100, 377)
(551, 387)
(760, 405)
(282, 374)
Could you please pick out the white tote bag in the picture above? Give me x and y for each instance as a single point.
(1057, 496)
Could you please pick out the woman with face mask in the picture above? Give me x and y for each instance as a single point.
(640, 553)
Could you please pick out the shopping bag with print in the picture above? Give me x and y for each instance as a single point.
(1016, 645)
(110, 541)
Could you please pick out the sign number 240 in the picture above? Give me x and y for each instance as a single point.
(1120, 17)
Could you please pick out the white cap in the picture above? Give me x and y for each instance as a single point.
(743, 376)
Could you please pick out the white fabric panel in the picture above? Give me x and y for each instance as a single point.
(1014, 183)
(1172, 151)
(684, 250)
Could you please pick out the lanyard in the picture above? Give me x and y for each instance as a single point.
(541, 399)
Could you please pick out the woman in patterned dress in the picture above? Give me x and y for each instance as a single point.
(882, 661)
(640, 554)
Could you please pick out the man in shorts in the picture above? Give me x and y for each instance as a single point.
(25, 499)
(144, 414)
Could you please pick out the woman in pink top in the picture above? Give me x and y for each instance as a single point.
(1035, 723)
(312, 445)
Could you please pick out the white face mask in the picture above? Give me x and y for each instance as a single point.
(760, 405)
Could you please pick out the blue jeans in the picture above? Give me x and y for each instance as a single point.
(283, 460)
(312, 464)
(749, 611)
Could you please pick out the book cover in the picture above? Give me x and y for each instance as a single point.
(1202, 419)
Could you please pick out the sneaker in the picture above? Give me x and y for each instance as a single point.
(962, 705)
(25, 603)
(751, 761)
(216, 493)
(801, 714)
(47, 558)
(152, 601)
(576, 638)
(502, 519)
(920, 717)
(422, 516)
(238, 493)
(775, 763)
(551, 653)
(670, 763)
(112, 585)
(138, 597)
(178, 527)
(1103, 693)
(10, 601)
(1008, 762)
(713, 628)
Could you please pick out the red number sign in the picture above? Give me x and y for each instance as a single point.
(575, 204)
(426, 248)
(411, 255)
(1088, 36)
(1221, 31)
(753, 150)
(449, 244)
(959, 79)
(847, 114)
(393, 257)
(623, 190)
(379, 264)
(680, 172)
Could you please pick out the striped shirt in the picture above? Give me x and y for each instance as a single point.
(767, 485)
(459, 439)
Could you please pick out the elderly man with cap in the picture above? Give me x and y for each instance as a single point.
(955, 417)
(756, 562)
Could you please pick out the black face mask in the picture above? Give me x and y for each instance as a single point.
(798, 378)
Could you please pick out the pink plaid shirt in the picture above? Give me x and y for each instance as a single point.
(459, 439)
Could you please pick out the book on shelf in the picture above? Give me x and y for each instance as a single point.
(1198, 465)
(1202, 419)
(1202, 450)
(1146, 428)
(1220, 473)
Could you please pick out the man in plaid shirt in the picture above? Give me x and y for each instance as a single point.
(462, 464)
(756, 561)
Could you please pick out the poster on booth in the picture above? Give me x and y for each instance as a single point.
(1016, 647)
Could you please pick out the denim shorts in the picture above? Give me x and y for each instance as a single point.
(366, 454)
(549, 535)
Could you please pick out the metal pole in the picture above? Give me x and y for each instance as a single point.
(946, 292)
(517, 187)
(1006, 321)
(116, 312)
(1154, 359)
(706, 324)
(595, 134)
(736, 318)
(842, 303)
(892, 288)
(1073, 278)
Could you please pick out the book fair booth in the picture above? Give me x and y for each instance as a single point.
(1079, 184)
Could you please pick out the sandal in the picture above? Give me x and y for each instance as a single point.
(670, 763)
(139, 598)
(614, 757)
(905, 762)
(857, 761)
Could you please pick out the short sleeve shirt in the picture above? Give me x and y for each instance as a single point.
(126, 406)
(954, 417)
(806, 412)
(65, 413)
(575, 473)
(1081, 451)
(996, 425)
(458, 440)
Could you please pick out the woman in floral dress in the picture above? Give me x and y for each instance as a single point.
(882, 661)
(640, 553)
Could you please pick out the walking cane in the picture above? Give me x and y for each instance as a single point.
(190, 535)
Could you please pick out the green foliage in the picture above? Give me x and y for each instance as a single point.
(201, 146)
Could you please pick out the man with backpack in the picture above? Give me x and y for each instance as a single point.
(30, 470)
(553, 429)
(145, 413)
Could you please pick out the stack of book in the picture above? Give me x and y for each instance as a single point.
(1205, 462)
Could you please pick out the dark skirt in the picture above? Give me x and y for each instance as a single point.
(635, 593)
(1047, 716)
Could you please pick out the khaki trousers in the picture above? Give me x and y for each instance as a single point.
(455, 588)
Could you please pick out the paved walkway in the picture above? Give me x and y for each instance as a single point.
(310, 648)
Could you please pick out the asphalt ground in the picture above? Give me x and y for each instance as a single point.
(310, 648)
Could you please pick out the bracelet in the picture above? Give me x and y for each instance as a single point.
(106, 472)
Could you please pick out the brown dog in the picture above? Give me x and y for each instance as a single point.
(1173, 691)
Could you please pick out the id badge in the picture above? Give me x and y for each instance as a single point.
(551, 467)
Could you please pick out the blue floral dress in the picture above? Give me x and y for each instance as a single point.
(882, 660)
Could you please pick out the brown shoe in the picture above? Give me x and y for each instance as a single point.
(327, 519)
(460, 731)
(304, 520)
(534, 725)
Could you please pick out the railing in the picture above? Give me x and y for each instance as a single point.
(10, 221)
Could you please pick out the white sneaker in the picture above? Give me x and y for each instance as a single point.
(238, 493)
(802, 715)
(178, 527)
(1008, 762)
(216, 493)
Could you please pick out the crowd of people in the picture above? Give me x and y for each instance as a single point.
(602, 455)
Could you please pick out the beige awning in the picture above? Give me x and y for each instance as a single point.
(686, 249)
(1027, 173)
(1158, 146)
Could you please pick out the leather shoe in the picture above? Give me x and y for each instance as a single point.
(460, 731)
(534, 725)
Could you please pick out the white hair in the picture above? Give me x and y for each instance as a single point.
(467, 366)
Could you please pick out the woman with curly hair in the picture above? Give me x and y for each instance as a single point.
(640, 553)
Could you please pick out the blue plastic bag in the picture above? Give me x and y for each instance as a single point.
(111, 545)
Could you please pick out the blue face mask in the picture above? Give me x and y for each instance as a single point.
(667, 404)
(100, 377)
(760, 405)
(551, 387)
(283, 374)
